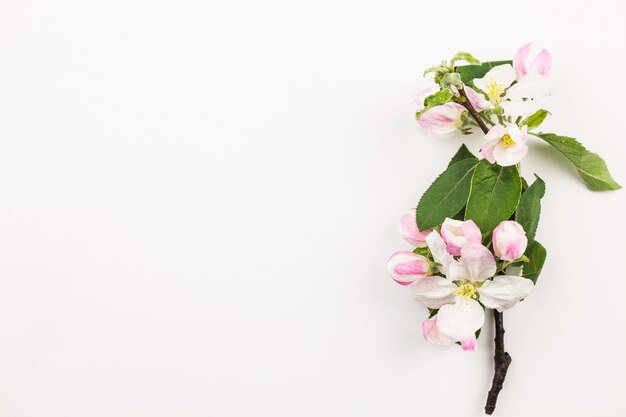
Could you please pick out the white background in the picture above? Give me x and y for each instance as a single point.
(197, 202)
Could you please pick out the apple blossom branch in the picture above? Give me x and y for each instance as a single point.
(501, 358)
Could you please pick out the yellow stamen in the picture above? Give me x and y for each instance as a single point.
(467, 290)
(494, 90)
(507, 140)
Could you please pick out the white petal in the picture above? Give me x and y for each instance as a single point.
(509, 156)
(504, 291)
(519, 108)
(433, 292)
(481, 84)
(503, 74)
(459, 321)
(438, 249)
(530, 87)
(496, 132)
(476, 264)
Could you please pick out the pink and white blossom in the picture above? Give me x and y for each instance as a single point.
(532, 70)
(527, 63)
(457, 233)
(406, 267)
(505, 145)
(469, 282)
(410, 231)
(509, 240)
(442, 120)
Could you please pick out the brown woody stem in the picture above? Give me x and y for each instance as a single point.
(472, 111)
(501, 360)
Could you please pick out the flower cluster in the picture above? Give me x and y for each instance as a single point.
(456, 277)
(505, 95)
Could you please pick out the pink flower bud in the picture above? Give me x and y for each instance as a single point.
(477, 101)
(406, 267)
(528, 62)
(509, 240)
(410, 232)
(442, 120)
(457, 233)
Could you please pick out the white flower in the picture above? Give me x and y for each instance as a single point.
(496, 81)
(468, 285)
(505, 145)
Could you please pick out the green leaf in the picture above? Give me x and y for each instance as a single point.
(461, 154)
(536, 254)
(422, 251)
(451, 78)
(432, 312)
(440, 97)
(464, 56)
(534, 120)
(469, 72)
(529, 208)
(494, 194)
(589, 165)
(524, 184)
(447, 195)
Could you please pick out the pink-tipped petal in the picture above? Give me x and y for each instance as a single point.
(457, 234)
(410, 231)
(476, 264)
(487, 150)
(542, 63)
(431, 333)
(519, 60)
(478, 101)
(469, 345)
(442, 120)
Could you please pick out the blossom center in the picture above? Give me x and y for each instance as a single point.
(467, 290)
(494, 89)
(507, 140)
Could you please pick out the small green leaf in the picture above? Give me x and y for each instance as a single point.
(461, 154)
(589, 165)
(451, 78)
(422, 251)
(440, 97)
(536, 254)
(464, 56)
(469, 72)
(432, 312)
(534, 120)
(529, 208)
(447, 195)
(494, 194)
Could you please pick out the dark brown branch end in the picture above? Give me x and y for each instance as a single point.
(501, 360)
